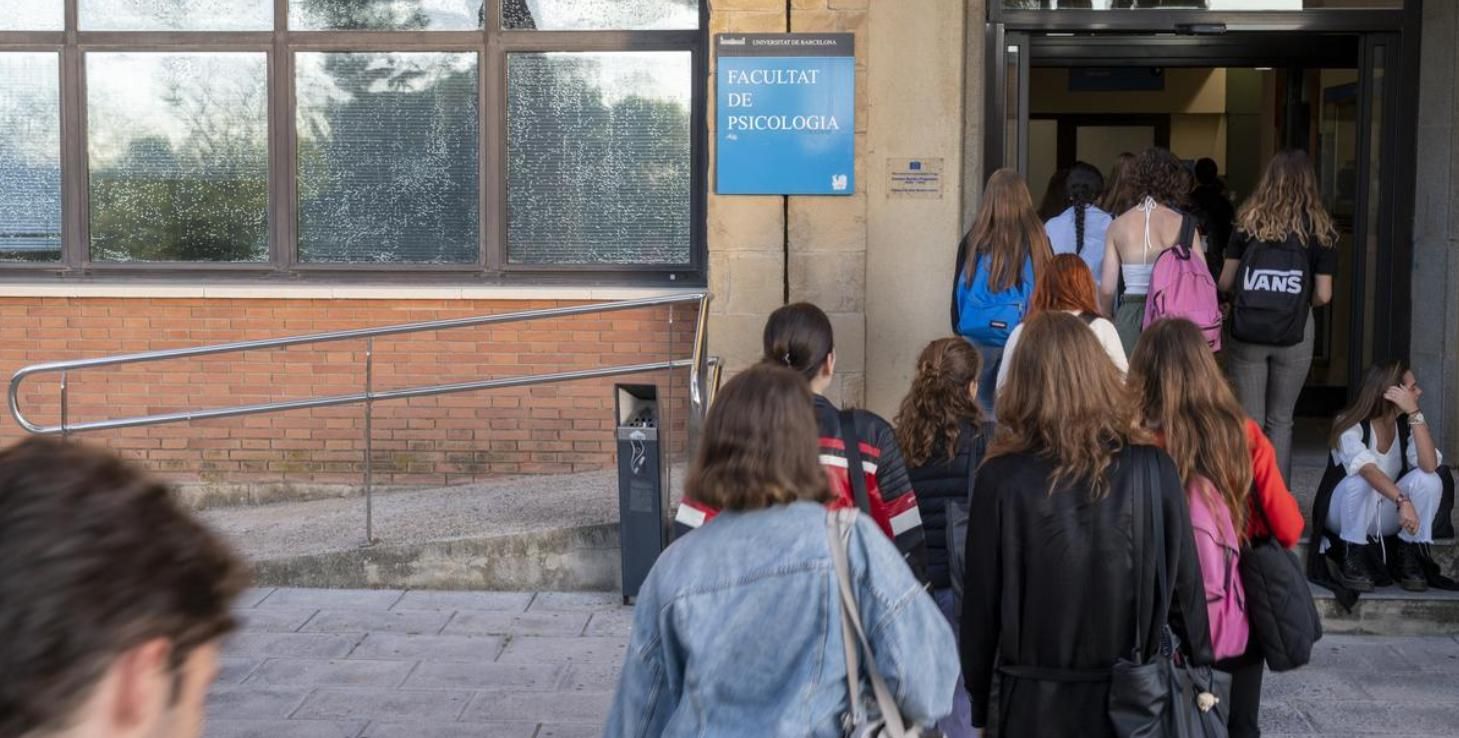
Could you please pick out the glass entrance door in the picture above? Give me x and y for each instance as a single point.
(1236, 99)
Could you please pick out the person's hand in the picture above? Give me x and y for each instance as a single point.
(1406, 399)
(1407, 517)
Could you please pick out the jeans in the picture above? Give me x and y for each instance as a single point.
(960, 723)
(1246, 674)
(988, 378)
(1267, 380)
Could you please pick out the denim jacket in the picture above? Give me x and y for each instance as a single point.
(737, 633)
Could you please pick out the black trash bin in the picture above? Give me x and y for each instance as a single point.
(643, 490)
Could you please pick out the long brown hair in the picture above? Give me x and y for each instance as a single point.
(939, 403)
(760, 444)
(1007, 231)
(1184, 396)
(1370, 403)
(1066, 402)
(1119, 191)
(1066, 284)
(1286, 203)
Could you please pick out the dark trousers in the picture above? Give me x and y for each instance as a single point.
(1246, 672)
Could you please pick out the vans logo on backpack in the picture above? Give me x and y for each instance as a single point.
(1274, 280)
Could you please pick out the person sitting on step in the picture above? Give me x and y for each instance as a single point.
(1383, 479)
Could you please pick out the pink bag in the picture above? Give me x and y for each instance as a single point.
(1182, 287)
(1219, 551)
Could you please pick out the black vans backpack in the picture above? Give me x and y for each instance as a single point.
(1273, 293)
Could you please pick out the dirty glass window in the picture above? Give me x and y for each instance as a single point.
(177, 145)
(30, 157)
(387, 157)
(33, 15)
(386, 15)
(176, 15)
(599, 165)
(583, 15)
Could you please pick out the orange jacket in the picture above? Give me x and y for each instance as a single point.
(1271, 493)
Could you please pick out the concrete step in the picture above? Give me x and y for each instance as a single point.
(1391, 611)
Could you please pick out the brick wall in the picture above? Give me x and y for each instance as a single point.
(424, 441)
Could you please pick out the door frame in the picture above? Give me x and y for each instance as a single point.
(1024, 32)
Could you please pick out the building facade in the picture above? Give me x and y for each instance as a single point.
(195, 176)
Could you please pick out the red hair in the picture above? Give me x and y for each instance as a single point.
(1065, 284)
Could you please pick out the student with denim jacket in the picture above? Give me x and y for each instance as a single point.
(736, 630)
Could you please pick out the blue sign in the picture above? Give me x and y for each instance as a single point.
(785, 114)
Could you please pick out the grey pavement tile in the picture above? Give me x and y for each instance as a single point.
(1436, 653)
(576, 601)
(591, 676)
(1282, 717)
(1314, 685)
(281, 729)
(1382, 718)
(617, 623)
(410, 622)
(252, 596)
(451, 730)
(334, 673)
(422, 599)
(570, 730)
(385, 704)
(233, 670)
(471, 622)
(428, 648)
(359, 599)
(1355, 653)
(1427, 687)
(533, 650)
(254, 703)
(274, 619)
(291, 645)
(488, 676)
(565, 707)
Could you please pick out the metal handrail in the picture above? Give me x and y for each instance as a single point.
(703, 374)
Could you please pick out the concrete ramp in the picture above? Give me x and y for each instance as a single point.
(520, 533)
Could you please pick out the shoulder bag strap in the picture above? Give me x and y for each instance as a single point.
(1186, 239)
(1163, 590)
(1137, 530)
(839, 524)
(855, 471)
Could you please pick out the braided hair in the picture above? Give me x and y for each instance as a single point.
(1083, 186)
(939, 405)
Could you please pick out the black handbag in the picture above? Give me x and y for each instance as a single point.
(1163, 696)
(1279, 606)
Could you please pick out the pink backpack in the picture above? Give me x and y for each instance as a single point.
(1182, 287)
(1219, 551)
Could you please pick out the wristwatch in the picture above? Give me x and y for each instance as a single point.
(1402, 498)
(1417, 418)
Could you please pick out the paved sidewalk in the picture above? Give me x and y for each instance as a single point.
(390, 664)
(315, 663)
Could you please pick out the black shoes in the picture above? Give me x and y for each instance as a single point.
(1353, 571)
(1410, 569)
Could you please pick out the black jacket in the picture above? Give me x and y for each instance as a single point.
(1051, 585)
(941, 480)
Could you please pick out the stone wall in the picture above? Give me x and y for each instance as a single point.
(1435, 319)
(876, 265)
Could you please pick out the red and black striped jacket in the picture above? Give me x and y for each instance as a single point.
(889, 490)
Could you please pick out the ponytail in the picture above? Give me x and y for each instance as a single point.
(799, 337)
(1079, 209)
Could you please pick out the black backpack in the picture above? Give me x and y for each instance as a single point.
(1273, 293)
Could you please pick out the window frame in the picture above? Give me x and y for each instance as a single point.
(491, 44)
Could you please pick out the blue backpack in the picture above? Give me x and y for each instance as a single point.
(986, 317)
